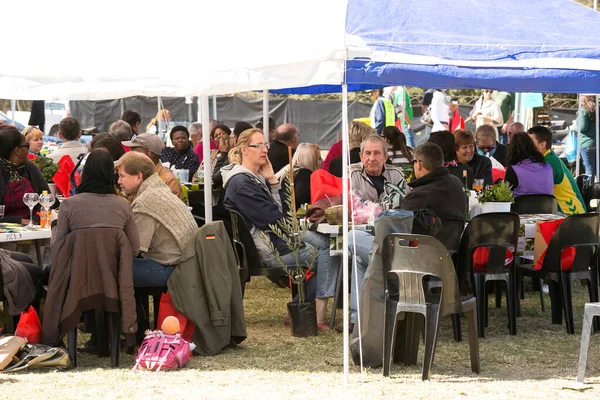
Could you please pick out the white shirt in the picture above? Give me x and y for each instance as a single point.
(72, 148)
(490, 109)
(440, 110)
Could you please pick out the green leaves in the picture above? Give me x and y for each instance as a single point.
(285, 230)
(47, 166)
(499, 192)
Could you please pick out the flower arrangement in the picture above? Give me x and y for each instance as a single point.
(46, 166)
(498, 193)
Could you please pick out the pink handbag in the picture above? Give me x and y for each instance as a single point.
(161, 351)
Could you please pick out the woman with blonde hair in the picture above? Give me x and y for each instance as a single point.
(163, 115)
(34, 137)
(252, 189)
(306, 160)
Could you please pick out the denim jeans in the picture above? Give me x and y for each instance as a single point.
(588, 157)
(149, 273)
(410, 137)
(364, 242)
(326, 267)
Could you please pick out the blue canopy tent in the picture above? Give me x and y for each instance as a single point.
(514, 45)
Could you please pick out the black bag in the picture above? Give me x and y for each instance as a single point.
(426, 222)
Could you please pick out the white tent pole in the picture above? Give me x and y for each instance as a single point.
(266, 126)
(577, 163)
(597, 133)
(199, 113)
(517, 107)
(206, 154)
(214, 107)
(345, 241)
(13, 109)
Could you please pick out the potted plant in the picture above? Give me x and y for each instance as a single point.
(303, 314)
(48, 169)
(496, 198)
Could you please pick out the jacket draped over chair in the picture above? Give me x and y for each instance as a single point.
(91, 270)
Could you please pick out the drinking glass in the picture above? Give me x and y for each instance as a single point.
(477, 185)
(30, 200)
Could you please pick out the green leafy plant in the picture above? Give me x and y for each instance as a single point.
(47, 167)
(498, 193)
(291, 233)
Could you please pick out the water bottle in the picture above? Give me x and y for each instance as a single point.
(46, 201)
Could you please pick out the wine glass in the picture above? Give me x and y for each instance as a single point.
(30, 200)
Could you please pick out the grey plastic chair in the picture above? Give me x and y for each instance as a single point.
(406, 297)
(591, 310)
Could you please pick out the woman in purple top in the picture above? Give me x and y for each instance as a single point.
(527, 172)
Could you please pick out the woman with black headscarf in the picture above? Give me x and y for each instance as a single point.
(96, 204)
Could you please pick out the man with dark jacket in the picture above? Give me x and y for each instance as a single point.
(287, 135)
(434, 188)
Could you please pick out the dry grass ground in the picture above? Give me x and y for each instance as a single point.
(540, 362)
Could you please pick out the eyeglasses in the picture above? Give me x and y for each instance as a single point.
(486, 91)
(416, 161)
(26, 145)
(485, 148)
(260, 146)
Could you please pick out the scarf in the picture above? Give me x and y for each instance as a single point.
(452, 163)
(13, 169)
(155, 199)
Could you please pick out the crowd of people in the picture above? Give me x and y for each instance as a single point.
(124, 179)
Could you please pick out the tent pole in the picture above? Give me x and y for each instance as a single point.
(13, 109)
(577, 164)
(206, 154)
(345, 241)
(199, 113)
(597, 133)
(214, 107)
(266, 126)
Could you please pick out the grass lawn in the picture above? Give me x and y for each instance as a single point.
(540, 362)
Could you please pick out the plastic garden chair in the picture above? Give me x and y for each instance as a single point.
(592, 193)
(408, 259)
(581, 232)
(498, 232)
(592, 311)
(535, 204)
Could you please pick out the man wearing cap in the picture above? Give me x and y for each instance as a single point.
(152, 146)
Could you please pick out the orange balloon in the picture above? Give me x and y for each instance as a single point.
(170, 325)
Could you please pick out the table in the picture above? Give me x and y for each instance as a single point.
(524, 245)
(527, 232)
(193, 194)
(336, 232)
(17, 233)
